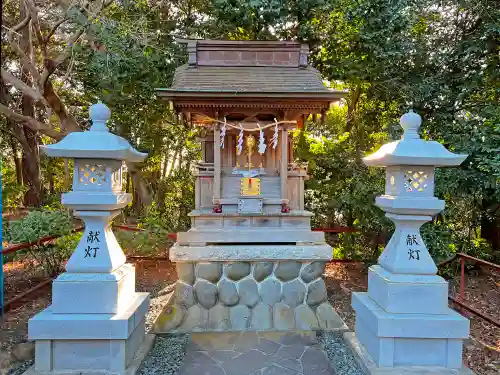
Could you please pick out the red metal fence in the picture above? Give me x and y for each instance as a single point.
(460, 301)
(40, 241)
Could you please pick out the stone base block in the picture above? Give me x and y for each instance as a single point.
(94, 293)
(409, 339)
(252, 253)
(233, 220)
(403, 293)
(86, 343)
(133, 365)
(369, 366)
(276, 236)
(242, 296)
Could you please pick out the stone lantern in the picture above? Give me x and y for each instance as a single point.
(96, 320)
(404, 319)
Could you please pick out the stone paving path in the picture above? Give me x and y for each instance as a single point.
(255, 353)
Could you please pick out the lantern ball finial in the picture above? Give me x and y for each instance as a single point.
(99, 114)
(410, 122)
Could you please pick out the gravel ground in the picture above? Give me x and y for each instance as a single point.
(166, 356)
(167, 353)
(159, 293)
(20, 367)
(339, 353)
(158, 300)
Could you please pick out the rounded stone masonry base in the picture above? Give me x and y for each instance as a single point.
(369, 367)
(249, 296)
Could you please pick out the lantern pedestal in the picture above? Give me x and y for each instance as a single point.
(409, 339)
(94, 293)
(404, 318)
(406, 252)
(96, 320)
(407, 294)
(89, 342)
(369, 366)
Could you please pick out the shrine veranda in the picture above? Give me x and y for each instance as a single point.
(250, 261)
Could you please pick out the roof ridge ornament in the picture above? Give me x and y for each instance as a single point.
(410, 122)
(413, 150)
(99, 114)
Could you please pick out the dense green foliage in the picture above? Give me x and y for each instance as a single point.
(439, 58)
(48, 257)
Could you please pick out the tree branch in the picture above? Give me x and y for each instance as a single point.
(21, 25)
(21, 86)
(51, 65)
(25, 60)
(68, 122)
(31, 123)
(54, 29)
(33, 11)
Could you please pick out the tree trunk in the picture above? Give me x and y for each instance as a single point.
(164, 167)
(127, 183)
(67, 181)
(31, 157)
(17, 162)
(490, 226)
(160, 196)
(143, 194)
(31, 171)
(50, 173)
(172, 164)
(351, 109)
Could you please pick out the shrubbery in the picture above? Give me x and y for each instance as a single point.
(50, 257)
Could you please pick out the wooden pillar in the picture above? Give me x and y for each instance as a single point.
(284, 163)
(197, 192)
(301, 193)
(230, 152)
(217, 162)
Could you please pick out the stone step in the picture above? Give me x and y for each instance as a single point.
(242, 341)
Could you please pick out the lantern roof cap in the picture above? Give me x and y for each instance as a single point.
(412, 150)
(97, 143)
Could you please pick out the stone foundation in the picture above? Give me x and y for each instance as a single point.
(88, 343)
(239, 296)
(369, 366)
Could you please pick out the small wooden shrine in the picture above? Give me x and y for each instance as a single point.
(250, 255)
(241, 93)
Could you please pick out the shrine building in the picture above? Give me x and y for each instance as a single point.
(250, 258)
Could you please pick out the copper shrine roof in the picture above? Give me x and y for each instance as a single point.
(248, 68)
